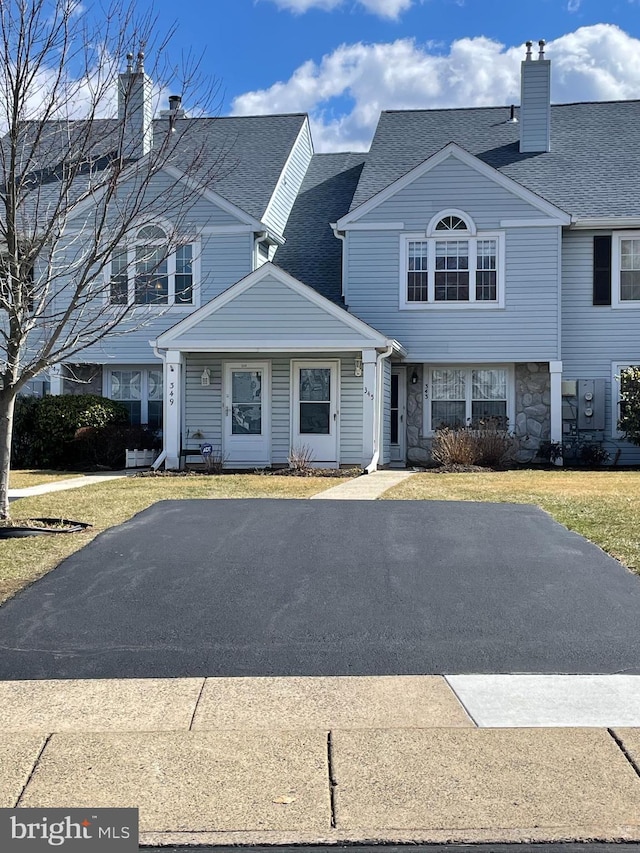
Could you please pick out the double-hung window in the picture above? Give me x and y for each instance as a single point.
(452, 266)
(147, 272)
(466, 396)
(626, 267)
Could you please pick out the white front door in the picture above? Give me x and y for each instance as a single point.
(247, 414)
(398, 415)
(315, 411)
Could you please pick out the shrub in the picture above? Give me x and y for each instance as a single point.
(473, 446)
(300, 458)
(22, 454)
(47, 431)
(104, 447)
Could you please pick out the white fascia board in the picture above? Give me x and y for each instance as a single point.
(305, 129)
(370, 334)
(374, 226)
(607, 222)
(214, 198)
(454, 150)
(531, 223)
(298, 346)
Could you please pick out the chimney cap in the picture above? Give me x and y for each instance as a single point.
(529, 45)
(541, 45)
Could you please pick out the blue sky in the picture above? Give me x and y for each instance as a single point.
(344, 60)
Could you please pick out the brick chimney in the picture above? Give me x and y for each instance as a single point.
(535, 101)
(135, 109)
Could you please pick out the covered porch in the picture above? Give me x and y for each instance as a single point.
(269, 369)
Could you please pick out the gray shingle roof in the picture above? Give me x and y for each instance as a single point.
(311, 253)
(591, 170)
(246, 153)
(252, 151)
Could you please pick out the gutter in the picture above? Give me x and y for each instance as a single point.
(373, 465)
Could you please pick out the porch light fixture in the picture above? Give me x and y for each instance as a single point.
(205, 377)
(414, 377)
(357, 367)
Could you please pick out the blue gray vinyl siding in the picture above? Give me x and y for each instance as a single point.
(203, 405)
(526, 329)
(594, 337)
(270, 310)
(224, 259)
(535, 109)
(452, 184)
(277, 213)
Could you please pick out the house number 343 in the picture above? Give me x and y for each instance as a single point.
(368, 393)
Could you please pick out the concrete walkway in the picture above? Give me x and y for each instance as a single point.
(63, 485)
(369, 487)
(312, 760)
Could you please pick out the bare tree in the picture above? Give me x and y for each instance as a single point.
(80, 160)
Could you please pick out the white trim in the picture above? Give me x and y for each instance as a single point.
(212, 230)
(294, 416)
(170, 259)
(616, 239)
(400, 371)
(143, 369)
(427, 367)
(298, 345)
(469, 305)
(616, 368)
(606, 222)
(453, 150)
(266, 411)
(373, 226)
(531, 223)
(555, 402)
(370, 335)
(470, 230)
(283, 174)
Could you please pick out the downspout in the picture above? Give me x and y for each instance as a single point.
(373, 465)
(259, 236)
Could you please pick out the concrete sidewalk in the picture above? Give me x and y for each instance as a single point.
(365, 488)
(312, 760)
(63, 485)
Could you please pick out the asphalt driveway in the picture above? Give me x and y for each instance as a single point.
(296, 587)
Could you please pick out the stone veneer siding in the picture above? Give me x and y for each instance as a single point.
(533, 417)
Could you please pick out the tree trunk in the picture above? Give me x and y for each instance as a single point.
(7, 405)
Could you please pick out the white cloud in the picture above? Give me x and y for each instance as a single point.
(574, 5)
(383, 8)
(347, 89)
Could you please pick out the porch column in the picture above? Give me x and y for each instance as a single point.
(173, 407)
(555, 371)
(369, 402)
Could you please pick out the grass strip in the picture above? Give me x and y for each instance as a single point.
(603, 506)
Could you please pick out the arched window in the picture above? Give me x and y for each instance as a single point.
(148, 272)
(451, 223)
(454, 266)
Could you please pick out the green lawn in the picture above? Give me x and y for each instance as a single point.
(604, 506)
(24, 560)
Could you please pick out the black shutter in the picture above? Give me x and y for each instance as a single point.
(602, 270)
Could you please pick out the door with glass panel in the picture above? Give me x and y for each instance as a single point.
(247, 414)
(315, 410)
(397, 413)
